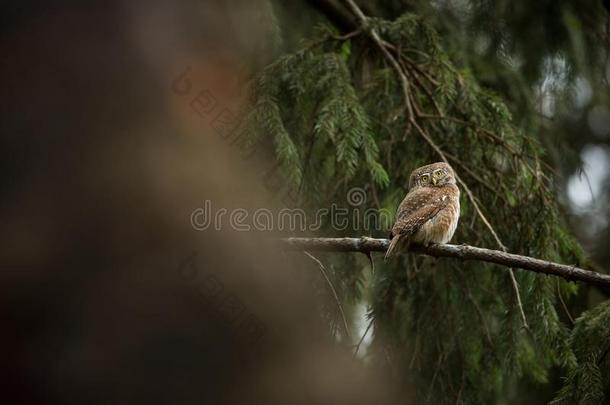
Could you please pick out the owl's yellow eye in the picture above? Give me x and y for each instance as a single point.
(425, 178)
(438, 172)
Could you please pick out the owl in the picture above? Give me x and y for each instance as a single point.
(430, 211)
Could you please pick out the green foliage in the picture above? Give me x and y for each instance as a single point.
(310, 95)
(588, 380)
(336, 113)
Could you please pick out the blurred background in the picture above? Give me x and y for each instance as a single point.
(116, 122)
(108, 295)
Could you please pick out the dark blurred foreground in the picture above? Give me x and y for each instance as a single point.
(108, 295)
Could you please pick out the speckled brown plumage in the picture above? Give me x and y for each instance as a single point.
(430, 211)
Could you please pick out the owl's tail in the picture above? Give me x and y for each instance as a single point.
(393, 244)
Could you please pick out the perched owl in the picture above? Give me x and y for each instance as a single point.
(430, 211)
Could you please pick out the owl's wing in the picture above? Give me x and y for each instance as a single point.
(419, 206)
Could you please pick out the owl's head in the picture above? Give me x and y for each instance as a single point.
(433, 175)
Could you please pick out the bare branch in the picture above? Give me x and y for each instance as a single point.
(462, 252)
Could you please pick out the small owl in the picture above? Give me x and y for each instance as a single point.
(431, 209)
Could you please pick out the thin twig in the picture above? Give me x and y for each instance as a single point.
(404, 81)
(332, 287)
(563, 304)
(438, 367)
(423, 72)
(363, 336)
(493, 136)
(475, 176)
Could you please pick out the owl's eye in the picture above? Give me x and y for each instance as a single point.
(425, 178)
(438, 172)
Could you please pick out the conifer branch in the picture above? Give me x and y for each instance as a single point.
(462, 252)
(410, 105)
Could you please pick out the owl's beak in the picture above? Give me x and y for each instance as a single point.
(434, 180)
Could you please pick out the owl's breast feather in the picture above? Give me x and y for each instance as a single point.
(441, 228)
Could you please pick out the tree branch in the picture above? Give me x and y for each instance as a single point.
(462, 252)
